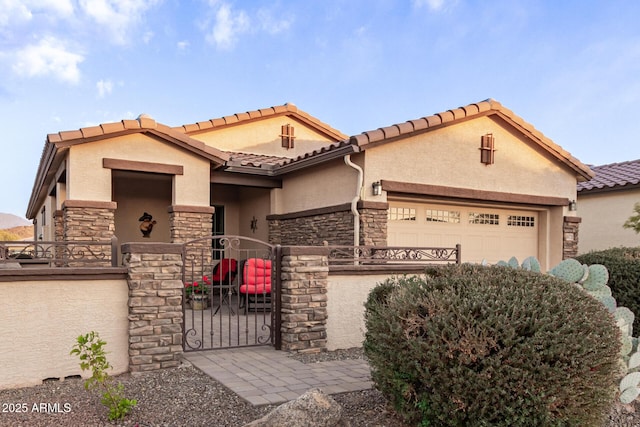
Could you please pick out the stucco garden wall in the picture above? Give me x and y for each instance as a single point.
(41, 319)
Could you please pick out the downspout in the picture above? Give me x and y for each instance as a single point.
(354, 205)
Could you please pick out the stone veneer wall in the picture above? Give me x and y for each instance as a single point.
(155, 305)
(58, 226)
(570, 230)
(304, 273)
(333, 225)
(373, 224)
(89, 221)
(190, 222)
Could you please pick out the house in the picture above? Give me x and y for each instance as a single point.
(477, 175)
(606, 202)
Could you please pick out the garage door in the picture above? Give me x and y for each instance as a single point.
(484, 233)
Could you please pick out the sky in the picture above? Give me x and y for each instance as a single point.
(570, 68)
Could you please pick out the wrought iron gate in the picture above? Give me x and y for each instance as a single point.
(231, 296)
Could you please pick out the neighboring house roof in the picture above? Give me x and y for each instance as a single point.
(487, 107)
(611, 177)
(287, 109)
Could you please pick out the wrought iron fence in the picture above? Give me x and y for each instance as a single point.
(60, 254)
(379, 255)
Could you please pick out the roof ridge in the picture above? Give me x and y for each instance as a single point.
(261, 113)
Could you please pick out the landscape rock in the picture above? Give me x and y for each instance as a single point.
(313, 409)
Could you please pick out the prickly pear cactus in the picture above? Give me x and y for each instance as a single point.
(569, 270)
(629, 390)
(593, 280)
(531, 264)
(597, 278)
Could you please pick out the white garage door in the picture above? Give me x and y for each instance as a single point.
(485, 233)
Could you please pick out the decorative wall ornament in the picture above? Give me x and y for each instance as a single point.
(147, 224)
(254, 224)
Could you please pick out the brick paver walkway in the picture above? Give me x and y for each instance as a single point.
(262, 375)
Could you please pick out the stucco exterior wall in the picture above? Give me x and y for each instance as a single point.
(346, 296)
(451, 157)
(330, 184)
(603, 215)
(263, 137)
(40, 321)
(135, 194)
(88, 180)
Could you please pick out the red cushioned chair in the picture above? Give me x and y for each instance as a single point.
(255, 285)
(221, 281)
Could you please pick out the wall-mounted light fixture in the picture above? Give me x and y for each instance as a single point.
(254, 224)
(377, 188)
(573, 206)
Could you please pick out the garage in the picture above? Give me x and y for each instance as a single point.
(487, 233)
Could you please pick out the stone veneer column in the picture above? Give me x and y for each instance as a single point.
(304, 273)
(58, 226)
(88, 220)
(190, 222)
(373, 223)
(570, 229)
(155, 305)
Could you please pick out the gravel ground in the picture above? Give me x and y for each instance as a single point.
(185, 396)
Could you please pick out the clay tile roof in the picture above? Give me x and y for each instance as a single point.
(278, 110)
(255, 160)
(613, 176)
(488, 107)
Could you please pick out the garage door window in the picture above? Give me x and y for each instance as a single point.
(401, 214)
(451, 217)
(484, 218)
(521, 221)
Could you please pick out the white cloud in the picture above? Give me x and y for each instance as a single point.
(182, 45)
(105, 87)
(271, 24)
(119, 17)
(434, 5)
(59, 7)
(13, 12)
(228, 25)
(49, 56)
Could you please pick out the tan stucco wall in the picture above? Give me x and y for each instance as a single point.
(346, 296)
(88, 180)
(451, 157)
(603, 215)
(40, 321)
(330, 184)
(136, 193)
(263, 137)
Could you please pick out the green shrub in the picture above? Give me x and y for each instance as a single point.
(491, 346)
(623, 265)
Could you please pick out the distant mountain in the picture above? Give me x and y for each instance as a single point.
(11, 220)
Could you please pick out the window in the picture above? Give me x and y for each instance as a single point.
(401, 214)
(218, 230)
(521, 221)
(43, 212)
(443, 216)
(484, 218)
(287, 136)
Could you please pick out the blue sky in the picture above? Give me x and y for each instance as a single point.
(570, 68)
